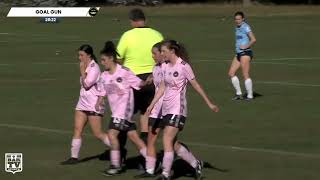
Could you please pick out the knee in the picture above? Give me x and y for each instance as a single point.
(112, 137)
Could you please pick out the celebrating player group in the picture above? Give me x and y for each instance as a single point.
(148, 75)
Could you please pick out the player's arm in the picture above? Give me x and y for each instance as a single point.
(156, 97)
(253, 40)
(100, 102)
(203, 94)
(148, 81)
(89, 79)
(83, 73)
(134, 81)
(101, 93)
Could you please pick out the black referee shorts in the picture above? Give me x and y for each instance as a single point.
(144, 96)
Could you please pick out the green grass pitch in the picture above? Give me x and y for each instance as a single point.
(273, 137)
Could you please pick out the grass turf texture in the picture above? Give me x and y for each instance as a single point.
(40, 89)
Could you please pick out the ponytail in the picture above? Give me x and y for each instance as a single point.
(178, 48)
(110, 50)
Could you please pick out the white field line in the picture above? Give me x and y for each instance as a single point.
(205, 145)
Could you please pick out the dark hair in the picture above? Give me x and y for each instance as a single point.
(239, 13)
(137, 15)
(110, 50)
(89, 50)
(157, 46)
(179, 49)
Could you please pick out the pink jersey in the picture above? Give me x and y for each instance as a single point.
(118, 89)
(88, 98)
(176, 78)
(157, 74)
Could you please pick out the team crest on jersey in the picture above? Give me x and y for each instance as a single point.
(92, 65)
(13, 162)
(119, 79)
(175, 74)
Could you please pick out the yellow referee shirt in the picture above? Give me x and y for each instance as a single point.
(135, 47)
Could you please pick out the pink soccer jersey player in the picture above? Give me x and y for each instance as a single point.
(118, 89)
(176, 78)
(88, 91)
(157, 74)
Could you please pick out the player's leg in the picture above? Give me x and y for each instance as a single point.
(151, 159)
(184, 153)
(169, 135)
(144, 127)
(122, 137)
(235, 65)
(151, 150)
(245, 66)
(143, 100)
(141, 146)
(95, 124)
(115, 167)
(80, 120)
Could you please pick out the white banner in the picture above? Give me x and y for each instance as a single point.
(53, 11)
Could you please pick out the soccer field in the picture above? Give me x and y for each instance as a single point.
(276, 136)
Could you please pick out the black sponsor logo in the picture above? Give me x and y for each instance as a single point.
(119, 79)
(175, 74)
(93, 11)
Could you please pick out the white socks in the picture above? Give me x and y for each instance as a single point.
(236, 84)
(248, 84)
(75, 147)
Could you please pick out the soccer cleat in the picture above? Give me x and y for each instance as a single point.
(237, 97)
(123, 153)
(198, 169)
(162, 177)
(70, 161)
(144, 175)
(112, 171)
(248, 99)
(158, 168)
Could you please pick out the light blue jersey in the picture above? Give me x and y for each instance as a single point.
(242, 36)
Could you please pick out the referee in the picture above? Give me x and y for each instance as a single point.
(134, 49)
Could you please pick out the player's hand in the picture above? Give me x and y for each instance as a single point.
(82, 65)
(214, 108)
(148, 111)
(149, 80)
(83, 68)
(97, 106)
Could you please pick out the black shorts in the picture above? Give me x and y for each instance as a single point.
(144, 96)
(156, 123)
(176, 121)
(122, 125)
(92, 113)
(245, 53)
